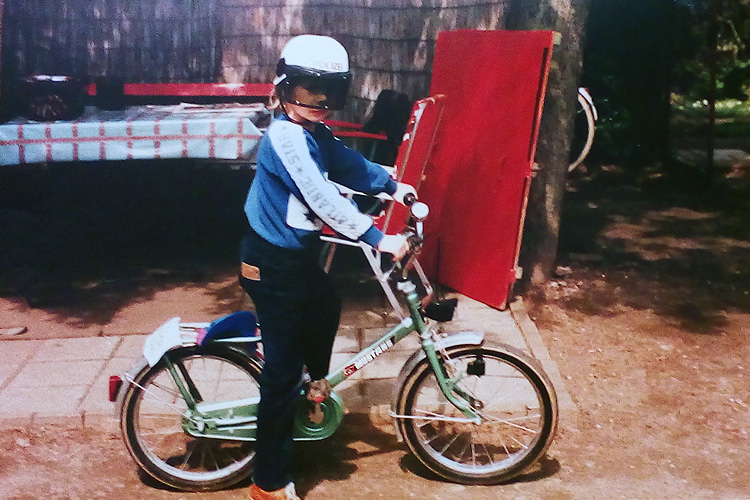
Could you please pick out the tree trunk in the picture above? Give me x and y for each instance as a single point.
(542, 228)
(714, 10)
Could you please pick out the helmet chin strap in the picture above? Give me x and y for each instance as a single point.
(301, 124)
(288, 116)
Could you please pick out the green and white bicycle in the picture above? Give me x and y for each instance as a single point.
(472, 411)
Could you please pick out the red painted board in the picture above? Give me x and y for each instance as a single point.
(494, 83)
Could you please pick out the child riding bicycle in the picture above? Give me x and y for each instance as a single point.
(291, 198)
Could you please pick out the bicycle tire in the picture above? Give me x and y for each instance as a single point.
(515, 431)
(590, 115)
(151, 419)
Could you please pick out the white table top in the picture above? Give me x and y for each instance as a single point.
(221, 131)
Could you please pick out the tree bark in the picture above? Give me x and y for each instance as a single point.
(714, 9)
(542, 228)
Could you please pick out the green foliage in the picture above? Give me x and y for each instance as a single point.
(638, 53)
(721, 39)
(690, 118)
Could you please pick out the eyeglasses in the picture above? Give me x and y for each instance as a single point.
(318, 93)
(325, 107)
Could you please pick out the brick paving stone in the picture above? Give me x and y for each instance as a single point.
(78, 349)
(57, 374)
(27, 400)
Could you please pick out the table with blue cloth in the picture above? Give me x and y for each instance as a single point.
(218, 131)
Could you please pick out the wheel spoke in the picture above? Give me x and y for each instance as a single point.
(210, 452)
(160, 399)
(448, 445)
(188, 454)
(488, 453)
(427, 417)
(511, 421)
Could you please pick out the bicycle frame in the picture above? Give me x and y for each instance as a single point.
(237, 420)
(414, 323)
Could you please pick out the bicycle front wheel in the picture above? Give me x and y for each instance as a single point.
(152, 410)
(510, 392)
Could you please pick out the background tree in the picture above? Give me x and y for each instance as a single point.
(568, 17)
(639, 53)
(632, 50)
(634, 55)
(718, 37)
(720, 66)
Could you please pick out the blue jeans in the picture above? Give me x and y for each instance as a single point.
(298, 310)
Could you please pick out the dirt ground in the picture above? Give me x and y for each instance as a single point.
(647, 322)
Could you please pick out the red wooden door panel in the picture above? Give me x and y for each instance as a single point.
(477, 183)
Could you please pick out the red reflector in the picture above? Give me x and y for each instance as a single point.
(115, 382)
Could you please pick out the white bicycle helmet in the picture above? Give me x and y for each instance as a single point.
(320, 64)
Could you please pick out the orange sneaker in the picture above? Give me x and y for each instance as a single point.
(287, 493)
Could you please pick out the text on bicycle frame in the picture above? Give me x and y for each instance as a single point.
(363, 360)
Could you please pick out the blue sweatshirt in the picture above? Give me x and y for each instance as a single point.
(291, 196)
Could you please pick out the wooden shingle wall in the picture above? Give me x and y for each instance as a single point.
(139, 40)
(390, 42)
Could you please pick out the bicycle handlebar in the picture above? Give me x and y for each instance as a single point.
(414, 231)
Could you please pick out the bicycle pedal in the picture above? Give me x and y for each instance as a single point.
(318, 390)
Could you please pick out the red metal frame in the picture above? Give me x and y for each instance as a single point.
(339, 129)
(194, 89)
(414, 154)
(359, 134)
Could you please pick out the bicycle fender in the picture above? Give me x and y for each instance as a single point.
(127, 379)
(164, 338)
(452, 340)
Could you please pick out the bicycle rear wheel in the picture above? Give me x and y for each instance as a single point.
(511, 393)
(583, 132)
(151, 418)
